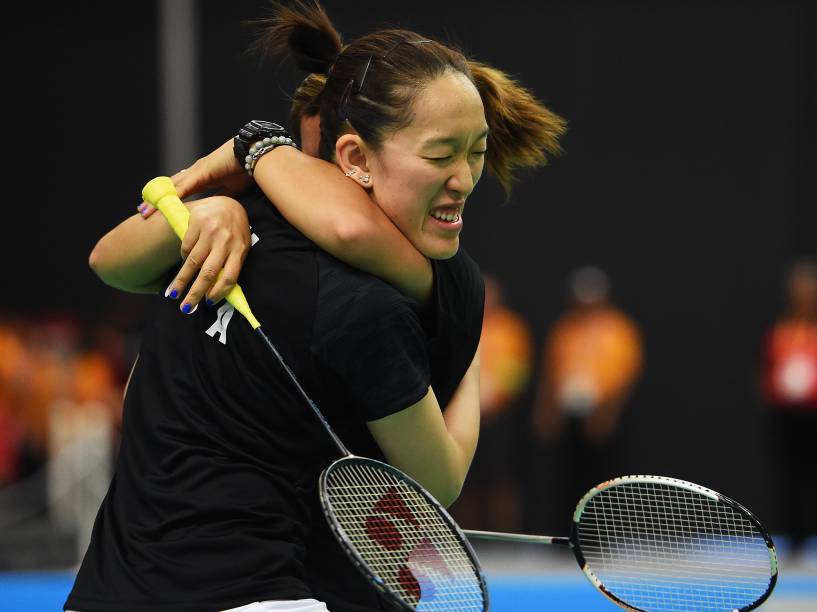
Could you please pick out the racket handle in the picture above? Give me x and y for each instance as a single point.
(161, 193)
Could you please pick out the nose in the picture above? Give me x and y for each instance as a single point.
(462, 179)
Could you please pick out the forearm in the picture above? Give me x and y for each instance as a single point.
(416, 441)
(338, 216)
(135, 255)
(435, 449)
(462, 416)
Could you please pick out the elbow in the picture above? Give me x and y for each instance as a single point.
(352, 231)
(448, 486)
(449, 494)
(99, 262)
(96, 259)
(443, 483)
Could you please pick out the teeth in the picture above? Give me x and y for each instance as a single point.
(446, 216)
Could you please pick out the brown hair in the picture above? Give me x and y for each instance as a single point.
(369, 85)
(306, 100)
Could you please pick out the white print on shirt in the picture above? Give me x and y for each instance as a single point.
(225, 312)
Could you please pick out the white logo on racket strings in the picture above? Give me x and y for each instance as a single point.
(223, 316)
(225, 311)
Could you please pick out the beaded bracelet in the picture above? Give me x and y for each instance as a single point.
(265, 146)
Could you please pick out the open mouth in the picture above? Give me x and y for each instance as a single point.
(447, 214)
(446, 217)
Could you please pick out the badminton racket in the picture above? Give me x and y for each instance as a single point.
(655, 543)
(399, 537)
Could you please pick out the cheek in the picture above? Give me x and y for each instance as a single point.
(476, 172)
(413, 191)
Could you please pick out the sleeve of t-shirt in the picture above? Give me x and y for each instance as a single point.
(375, 345)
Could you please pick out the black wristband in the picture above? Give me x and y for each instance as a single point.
(251, 133)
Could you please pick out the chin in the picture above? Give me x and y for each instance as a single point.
(442, 249)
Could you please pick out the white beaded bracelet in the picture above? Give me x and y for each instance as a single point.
(265, 146)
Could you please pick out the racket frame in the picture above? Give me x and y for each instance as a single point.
(357, 560)
(575, 545)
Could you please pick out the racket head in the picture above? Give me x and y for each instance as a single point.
(400, 538)
(659, 543)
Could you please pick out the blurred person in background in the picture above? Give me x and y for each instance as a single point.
(58, 398)
(789, 386)
(12, 352)
(592, 358)
(491, 499)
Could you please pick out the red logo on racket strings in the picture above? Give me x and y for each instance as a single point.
(422, 562)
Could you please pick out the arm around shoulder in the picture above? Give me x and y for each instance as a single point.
(137, 254)
(337, 214)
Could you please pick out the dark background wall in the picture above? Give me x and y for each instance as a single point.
(688, 175)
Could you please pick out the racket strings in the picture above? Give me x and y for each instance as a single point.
(402, 538)
(657, 546)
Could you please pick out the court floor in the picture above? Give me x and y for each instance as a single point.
(519, 579)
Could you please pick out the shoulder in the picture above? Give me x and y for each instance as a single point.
(461, 270)
(623, 323)
(269, 227)
(459, 289)
(348, 296)
(370, 337)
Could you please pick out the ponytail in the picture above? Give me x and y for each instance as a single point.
(305, 31)
(522, 132)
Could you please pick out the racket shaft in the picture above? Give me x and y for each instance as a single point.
(514, 537)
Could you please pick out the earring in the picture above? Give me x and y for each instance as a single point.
(350, 172)
(365, 179)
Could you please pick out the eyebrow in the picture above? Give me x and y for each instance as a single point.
(450, 140)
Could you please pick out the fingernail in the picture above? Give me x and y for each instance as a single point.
(209, 302)
(141, 207)
(188, 309)
(171, 293)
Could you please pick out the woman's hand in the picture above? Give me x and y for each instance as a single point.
(217, 241)
(218, 170)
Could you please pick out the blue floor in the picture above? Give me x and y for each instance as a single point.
(45, 592)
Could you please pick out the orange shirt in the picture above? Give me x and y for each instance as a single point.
(790, 365)
(593, 356)
(506, 354)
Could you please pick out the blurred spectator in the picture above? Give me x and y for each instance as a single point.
(11, 432)
(591, 360)
(60, 405)
(491, 498)
(789, 383)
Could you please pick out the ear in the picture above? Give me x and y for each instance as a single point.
(351, 154)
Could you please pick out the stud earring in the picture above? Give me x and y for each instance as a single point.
(365, 179)
(350, 172)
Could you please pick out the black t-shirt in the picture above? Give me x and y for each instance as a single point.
(212, 501)
(452, 324)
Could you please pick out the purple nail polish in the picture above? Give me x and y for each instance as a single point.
(141, 207)
(209, 302)
(174, 294)
(188, 309)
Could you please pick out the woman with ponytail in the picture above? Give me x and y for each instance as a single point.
(213, 505)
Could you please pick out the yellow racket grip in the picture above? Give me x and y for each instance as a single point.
(161, 193)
